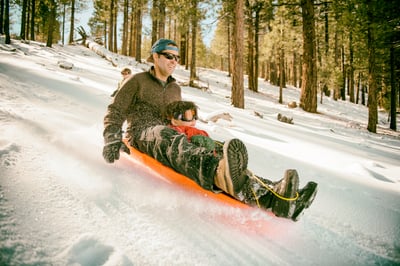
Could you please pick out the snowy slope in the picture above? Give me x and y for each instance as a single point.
(61, 204)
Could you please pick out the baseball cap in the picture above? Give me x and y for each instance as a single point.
(161, 45)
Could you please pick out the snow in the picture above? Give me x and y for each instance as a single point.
(61, 204)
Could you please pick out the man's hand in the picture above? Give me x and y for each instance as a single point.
(113, 146)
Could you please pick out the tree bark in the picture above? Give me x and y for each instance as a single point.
(23, 19)
(393, 93)
(32, 29)
(7, 22)
(372, 90)
(2, 11)
(71, 30)
(237, 97)
(161, 19)
(51, 22)
(154, 21)
(194, 37)
(138, 46)
(308, 97)
(250, 46)
(111, 26)
(124, 45)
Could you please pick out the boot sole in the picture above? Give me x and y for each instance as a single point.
(236, 164)
(311, 190)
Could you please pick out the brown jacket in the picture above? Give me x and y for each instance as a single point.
(141, 102)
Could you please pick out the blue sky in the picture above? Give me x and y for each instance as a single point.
(82, 19)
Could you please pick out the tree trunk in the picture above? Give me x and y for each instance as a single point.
(115, 37)
(71, 30)
(182, 50)
(237, 97)
(336, 89)
(372, 90)
(351, 68)
(23, 19)
(7, 22)
(124, 45)
(161, 19)
(154, 21)
(295, 83)
(256, 48)
(138, 53)
(63, 23)
(343, 88)
(308, 97)
(111, 26)
(229, 49)
(2, 6)
(393, 92)
(358, 88)
(281, 74)
(33, 17)
(194, 36)
(131, 49)
(51, 22)
(250, 45)
(250, 54)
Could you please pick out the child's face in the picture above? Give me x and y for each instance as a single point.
(189, 116)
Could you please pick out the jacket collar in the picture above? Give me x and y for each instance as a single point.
(152, 72)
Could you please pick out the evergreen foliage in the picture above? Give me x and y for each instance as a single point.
(353, 54)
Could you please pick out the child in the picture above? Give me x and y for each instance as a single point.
(182, 116)
(283, 197)
(125, 73)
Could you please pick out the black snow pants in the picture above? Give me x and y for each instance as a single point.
(174, 150)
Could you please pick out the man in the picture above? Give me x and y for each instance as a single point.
(141, 102)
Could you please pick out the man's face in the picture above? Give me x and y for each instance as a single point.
(166, 62)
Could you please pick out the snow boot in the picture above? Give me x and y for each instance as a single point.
(230, 175)
(306, 197)
(284, 202)
(256, 191)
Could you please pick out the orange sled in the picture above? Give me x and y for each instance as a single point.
(242, 216)
(169, 174)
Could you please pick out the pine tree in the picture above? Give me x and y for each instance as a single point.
(237, 95)
(308, 97)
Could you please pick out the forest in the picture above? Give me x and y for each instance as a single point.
(345, 49)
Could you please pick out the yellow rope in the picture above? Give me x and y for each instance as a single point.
(255, 196)
(272, 191)
(265, 185)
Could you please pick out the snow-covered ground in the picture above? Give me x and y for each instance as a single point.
(61, 204)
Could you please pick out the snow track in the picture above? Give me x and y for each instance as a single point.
(61, 204)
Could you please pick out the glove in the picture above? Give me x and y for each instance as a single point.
(203, 141)
(113, 146)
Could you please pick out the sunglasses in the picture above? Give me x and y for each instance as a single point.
(182, 117)
(170, 56)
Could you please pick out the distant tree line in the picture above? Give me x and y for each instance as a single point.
(345, 49)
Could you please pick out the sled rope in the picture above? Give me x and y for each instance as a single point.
(255, 196)
(272, 190)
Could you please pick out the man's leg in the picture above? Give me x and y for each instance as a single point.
(173, 149)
